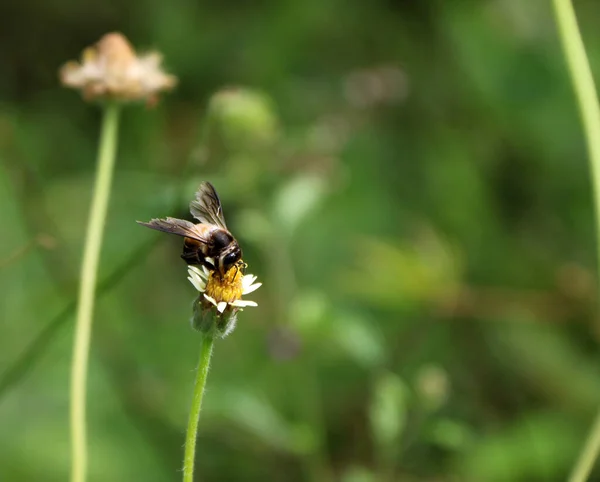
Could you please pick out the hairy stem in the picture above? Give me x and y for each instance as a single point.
(192, 429)
(583, 84)
(85, 307)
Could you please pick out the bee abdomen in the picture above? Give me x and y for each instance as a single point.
(192, 251)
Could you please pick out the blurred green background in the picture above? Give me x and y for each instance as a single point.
(407, 178)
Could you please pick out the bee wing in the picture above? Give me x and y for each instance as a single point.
(175, 226)
(206, 207)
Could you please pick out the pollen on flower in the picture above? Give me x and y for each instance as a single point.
(220, 297)
(228, 288)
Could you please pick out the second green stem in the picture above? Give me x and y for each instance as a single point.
(583, 83)
(87, 286)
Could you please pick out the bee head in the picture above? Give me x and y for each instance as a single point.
(229, 257)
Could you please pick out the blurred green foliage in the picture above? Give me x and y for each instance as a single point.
(408, 180)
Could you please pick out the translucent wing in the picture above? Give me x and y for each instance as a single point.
(206, 207)
(176, 226)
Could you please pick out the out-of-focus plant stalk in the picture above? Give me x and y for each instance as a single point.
(87, 287)
(192, 429)
(583, 83)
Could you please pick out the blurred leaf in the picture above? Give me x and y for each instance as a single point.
(388, 410)
(309, 313)
(260, 418)
(18, 368)
(296, 199)
(539, 446)
(425, 271)
(450, 434)
(254, 225)
(359, 338)
(358, 474)
(549, 363)
(432, 386)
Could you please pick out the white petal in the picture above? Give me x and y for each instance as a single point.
(247, 280)
(221, 306)
(198, 283)
(252, 288)
(243, 303)
(194, 271)
(212, 300)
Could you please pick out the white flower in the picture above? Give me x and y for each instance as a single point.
(225, 292)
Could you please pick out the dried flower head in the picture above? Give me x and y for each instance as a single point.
(220, 297)
(112, 70)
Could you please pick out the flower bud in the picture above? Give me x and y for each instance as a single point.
(239, 120)
(209, 321)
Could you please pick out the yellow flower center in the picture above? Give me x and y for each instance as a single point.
(228, 288)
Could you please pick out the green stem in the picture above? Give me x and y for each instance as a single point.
(192, 429)
(585, 462)
(89, 271)
(583, 84)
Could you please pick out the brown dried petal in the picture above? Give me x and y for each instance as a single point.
(112, 70)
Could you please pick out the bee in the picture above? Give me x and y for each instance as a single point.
(208, 243)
